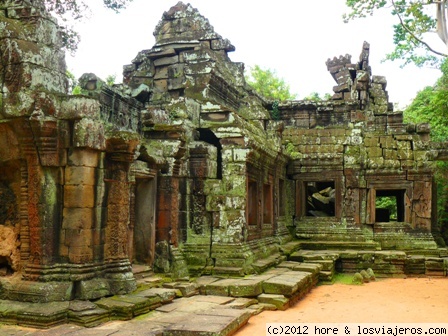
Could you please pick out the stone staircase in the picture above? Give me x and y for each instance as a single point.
(233, 300)
(175, 307)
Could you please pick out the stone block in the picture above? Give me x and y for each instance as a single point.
(142, 305)
(166, 60)
(77, 107)
(281, 284)
(166, 295)
(83, 157)
(92, 289)
(118, 310)
(161, 85)
(279, 301)
(220, 287)
(39, 292)
(89, 133)
(79, 196)
(87, 317)
(80, 254)
(78, 218)
(43, 315)
(161, 72)
(75, 175)
(241, 303)
(246, 288)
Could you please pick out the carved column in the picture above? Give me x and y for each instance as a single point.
(42, 146)
(120, 153)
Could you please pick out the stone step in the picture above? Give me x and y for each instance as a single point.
(326, 276)
(262, 265)
(290, 247)
(228, 271)
(288, 283)
(279, 301)
(314, 256)
(301, 266)
(86, 314)
(166, 295)
(142, 271)
(339, 245)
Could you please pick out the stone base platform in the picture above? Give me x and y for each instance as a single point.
(208, 306)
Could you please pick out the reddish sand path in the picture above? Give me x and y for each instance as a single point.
(415, 300)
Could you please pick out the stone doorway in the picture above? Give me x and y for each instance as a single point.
(144, 233)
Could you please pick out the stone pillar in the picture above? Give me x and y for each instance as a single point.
(121, 150)
(42, 146)
(168, 210)
(118, 203)
(78, 222)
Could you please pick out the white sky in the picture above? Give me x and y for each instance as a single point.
(292, 37)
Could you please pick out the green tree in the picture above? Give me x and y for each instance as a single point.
(268, 84)
(431, 106)
(415, 18)
(67, 11)
(315, 96)
(110, 79)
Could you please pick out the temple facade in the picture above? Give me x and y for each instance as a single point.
(184, 168)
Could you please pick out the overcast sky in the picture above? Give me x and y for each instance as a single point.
(292, 37)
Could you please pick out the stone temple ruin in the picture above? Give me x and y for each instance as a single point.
(185, 169)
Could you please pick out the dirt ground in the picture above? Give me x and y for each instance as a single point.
(417, 300)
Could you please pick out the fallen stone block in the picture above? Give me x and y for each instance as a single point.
(203, 281)
(287, 283)
(246, 288)
(277, 300)
(118, 310)
(166, 295)
(142, 305)
(86, 314)
(240, 303)
(220, 287)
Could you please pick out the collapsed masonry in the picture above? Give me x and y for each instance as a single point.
(182, 168)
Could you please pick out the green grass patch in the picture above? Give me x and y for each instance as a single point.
(343, 278)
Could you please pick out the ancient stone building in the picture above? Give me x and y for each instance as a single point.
(184, 168)
(65, 165)
(359, 148)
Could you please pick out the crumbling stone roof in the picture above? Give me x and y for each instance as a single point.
(184, 23)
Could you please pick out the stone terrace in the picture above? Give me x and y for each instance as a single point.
(212, 305)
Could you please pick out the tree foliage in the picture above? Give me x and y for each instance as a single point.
(315, 96)
(67, 11)
(268, 84)
(431, 106)
(415, 18)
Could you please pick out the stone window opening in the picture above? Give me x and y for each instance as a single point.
(389, 205)
(320, 198)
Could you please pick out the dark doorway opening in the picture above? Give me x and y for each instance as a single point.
(389, 205)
